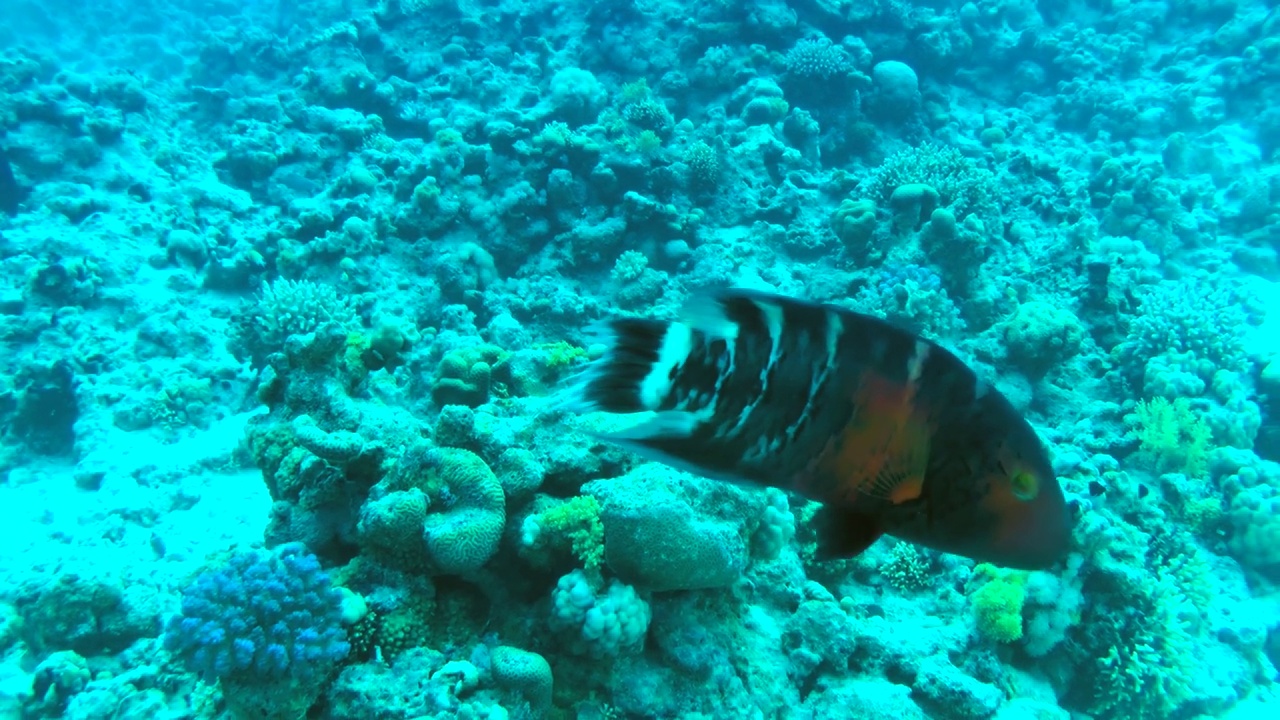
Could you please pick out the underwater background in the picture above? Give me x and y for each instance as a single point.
(287, 289)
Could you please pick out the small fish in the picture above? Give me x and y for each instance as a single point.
(11, 193)
(1143, 490)
(1096, 488)
(892, 433)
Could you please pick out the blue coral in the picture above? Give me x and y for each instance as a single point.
(262, 615)
(891, 277)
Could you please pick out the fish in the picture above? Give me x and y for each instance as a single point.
(890, 432)
(1096, 488)
(11, 193)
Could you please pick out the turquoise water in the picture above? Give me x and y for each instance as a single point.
(289, 294)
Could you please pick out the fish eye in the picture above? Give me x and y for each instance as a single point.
(1025, 485)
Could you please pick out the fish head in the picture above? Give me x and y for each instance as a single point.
(1030, 522)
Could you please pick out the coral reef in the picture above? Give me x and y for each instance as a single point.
(289, 291)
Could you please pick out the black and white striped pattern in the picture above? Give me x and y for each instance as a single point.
(745, 385)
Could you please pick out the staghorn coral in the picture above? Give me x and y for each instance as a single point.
(1207, 319)
(287, 308)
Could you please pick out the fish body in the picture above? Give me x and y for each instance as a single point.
(892, 433)
(11, 193)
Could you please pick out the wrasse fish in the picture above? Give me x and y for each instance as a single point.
(892, 433)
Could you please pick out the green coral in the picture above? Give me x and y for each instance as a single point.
(1172, 436)
(465, 536)
(338, 447)
(390, 529)
(443, 502)
(1041, 336)
(575, 524)
(997, 602)
(912, 204)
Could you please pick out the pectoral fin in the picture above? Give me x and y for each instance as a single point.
(843, 533)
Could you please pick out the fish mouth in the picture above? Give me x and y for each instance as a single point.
(1043, 538)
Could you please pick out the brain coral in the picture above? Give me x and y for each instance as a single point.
(440, 509)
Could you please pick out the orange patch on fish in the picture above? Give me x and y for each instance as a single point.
(885, 450)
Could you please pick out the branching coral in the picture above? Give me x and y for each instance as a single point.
(1172, 436)
(267, 624)
(960, 184)
(1194, 316)
(289, 307)
(1148, 661)
(574, 524)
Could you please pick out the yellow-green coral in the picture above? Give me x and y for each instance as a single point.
(536, 372)
(997, 603)
(577, 521)
(556, 529)
(1172, 436)
(560, 355)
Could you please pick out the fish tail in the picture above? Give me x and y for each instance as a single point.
(633, 374)
(708, 379)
